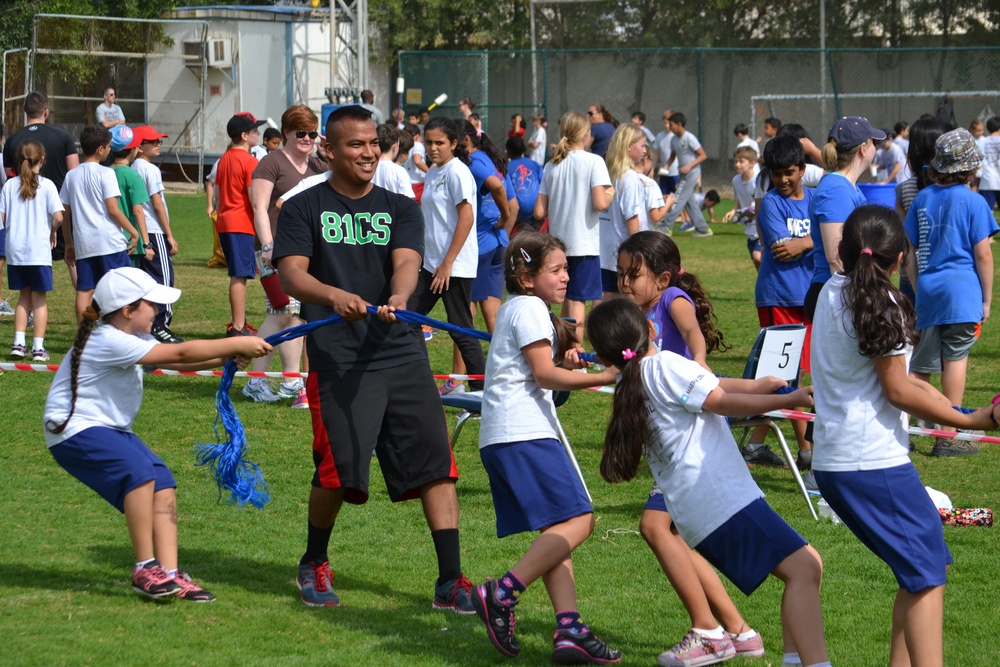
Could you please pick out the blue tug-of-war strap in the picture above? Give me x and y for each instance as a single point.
(233, 473)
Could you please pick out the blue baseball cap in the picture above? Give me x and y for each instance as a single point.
(123, 138)
(851, 131)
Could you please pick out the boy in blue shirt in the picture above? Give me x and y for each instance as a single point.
(786, 265)
(951, 265)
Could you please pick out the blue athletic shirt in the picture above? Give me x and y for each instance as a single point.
(783, 283)
(488, 214)
(526, 175)
(834, 199)
(944, 224)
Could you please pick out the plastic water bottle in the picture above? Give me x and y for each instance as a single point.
(826, 511)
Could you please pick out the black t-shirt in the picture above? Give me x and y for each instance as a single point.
(57, 144)
(349, 243)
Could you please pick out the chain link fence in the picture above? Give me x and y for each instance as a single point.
(14, 82)
(715, 88)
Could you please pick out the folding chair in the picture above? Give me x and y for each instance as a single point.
(777, 351)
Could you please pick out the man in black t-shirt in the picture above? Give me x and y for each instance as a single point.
(339, 249)
(60, 154)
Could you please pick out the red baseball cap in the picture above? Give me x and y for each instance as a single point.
(148, 133)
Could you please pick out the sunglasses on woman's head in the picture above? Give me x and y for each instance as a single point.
(302, 134)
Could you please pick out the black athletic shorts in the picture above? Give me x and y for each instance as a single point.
(395, 413)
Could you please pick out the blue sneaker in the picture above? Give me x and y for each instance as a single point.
(315, 580)
(454, 595)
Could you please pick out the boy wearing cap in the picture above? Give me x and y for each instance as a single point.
(235, 218)
(161, 266)
(124, 147)
(950, 264)
(92, 219)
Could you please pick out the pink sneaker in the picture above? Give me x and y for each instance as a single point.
(301, 401)
(190, 590)
(748, 648)
(695, 650)
(152, 582)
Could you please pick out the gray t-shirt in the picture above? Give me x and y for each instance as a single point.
(109, 114)
(685, 148)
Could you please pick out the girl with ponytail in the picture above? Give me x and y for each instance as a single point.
(862, 337)
(673, 410)
(30, 212)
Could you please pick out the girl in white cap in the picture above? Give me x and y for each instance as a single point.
(93, 402)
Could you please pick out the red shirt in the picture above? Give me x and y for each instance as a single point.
(232, 183)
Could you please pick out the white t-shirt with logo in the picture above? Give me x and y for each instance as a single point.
(856, 426)
(692, 453)
(109, 384)
(154, 185)
(572, 216)
(393, 178)
(85, 190)
(445, 188)
(629, 201)
(515, 408)
(29, 223)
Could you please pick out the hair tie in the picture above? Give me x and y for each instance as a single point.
(680, 271)
(479, 132)
(91, 314)
(866, 251)
(627, 353)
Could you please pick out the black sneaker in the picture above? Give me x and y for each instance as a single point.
(163, 334)
(804, 459)
(570, 648)
(233, 332)
(763, 456)
(498, 617)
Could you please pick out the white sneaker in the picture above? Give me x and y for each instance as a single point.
(291, 390)
(5, 308)
(450, 387)
(259, 390)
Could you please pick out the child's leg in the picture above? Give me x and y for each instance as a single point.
(801, 613)
(458, 308)
(21, 310)
(953, 372)
(549, 555)
(675, 558)
(917, 628)
(39, 305)
(83, 299)
(164, 517)
(139, 518)
(238, 301)
(719, 602)
(273, 323)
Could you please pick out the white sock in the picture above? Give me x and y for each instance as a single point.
(38, 344)
(743, 636)
(171, 573)
(791, 660)
(717, 633)
(18, 338)
(754, 446)
(139, 566)
(825, 663)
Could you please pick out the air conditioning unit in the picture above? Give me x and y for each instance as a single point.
(218, 52)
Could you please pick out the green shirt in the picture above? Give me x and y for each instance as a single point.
(133, 191)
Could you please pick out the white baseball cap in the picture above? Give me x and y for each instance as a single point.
(121, 287)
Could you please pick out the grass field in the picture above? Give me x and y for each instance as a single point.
(65, 558)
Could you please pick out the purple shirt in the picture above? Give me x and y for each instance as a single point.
(668, 336)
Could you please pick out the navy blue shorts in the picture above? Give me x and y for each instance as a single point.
(489, 276)
(89, 271)
(749, 546)
(534, 485)
(668, 184)
(36, 278)
(892, 515)
(112, 463)
(753, 245)
(3, 242)
(584, 278)
(238, 249)
(609, 281)
(656, 501)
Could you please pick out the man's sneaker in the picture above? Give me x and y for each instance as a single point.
(748, 648)
(39, 356)
(315, 580)
(695, 650)
(687, 227)
(454, 595)
(259, 390)
(162, 333)
(763, 456)
(498, 617)
(428, 332)
(247, 330)
(291, 390)
(942, 446)
(301, 401)
(450, 387)
(18, 351)
(571, 648)
(5, 308)
(191, 591)
(152, 582)
(809, 479)
(703, 235)
(804, 459)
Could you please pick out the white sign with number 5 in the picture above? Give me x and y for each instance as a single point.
(780, 354)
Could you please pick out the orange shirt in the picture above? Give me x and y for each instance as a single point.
(232, 183)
